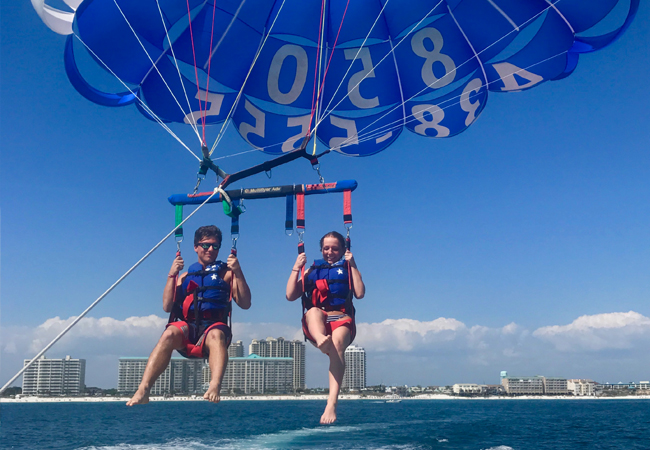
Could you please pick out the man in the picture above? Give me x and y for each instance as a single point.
(207, 288)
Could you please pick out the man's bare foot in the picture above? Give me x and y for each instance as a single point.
(141, 397)
(212, 394)
(329, 416)
(324, 344)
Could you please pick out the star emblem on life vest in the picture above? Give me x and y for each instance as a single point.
(214, 276)
(340, 272)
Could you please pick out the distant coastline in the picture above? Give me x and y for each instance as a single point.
(28, 399)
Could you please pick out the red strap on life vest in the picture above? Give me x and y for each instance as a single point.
(191, 286)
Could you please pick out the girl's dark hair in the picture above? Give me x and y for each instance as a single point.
(205, 232)
(338, 236)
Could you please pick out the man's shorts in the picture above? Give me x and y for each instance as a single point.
(339, 321)
(194, 342)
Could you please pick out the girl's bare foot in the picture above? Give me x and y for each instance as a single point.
(329, 416)
(212, 394)
(141, 397)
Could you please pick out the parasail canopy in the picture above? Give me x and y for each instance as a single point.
(354, 73)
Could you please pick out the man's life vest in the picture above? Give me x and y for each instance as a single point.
(329, 287)
(205, 291)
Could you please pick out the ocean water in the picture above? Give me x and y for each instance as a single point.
(362, 424)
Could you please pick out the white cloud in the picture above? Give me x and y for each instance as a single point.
(618, 330)
(399, 350)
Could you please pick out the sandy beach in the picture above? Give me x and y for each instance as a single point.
(198, 398)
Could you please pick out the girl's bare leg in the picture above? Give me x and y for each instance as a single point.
(340, 341)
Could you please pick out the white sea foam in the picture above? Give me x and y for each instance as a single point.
(500, 447)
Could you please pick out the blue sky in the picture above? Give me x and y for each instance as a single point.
(522, 244)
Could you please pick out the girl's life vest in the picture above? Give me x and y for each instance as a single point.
(205, 291)
(329, 287)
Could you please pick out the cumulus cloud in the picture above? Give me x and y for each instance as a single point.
(398, 350)
(618, 330)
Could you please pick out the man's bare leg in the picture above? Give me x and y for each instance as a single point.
(340, 341)
(217, 359)
(171, 340)
(316, 320)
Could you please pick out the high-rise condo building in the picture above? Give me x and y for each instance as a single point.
(182, 376)
(55, 377)
(236, 350)
(281, 348)
(254, 374)
(355, 368)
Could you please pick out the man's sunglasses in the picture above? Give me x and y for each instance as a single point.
(207, 246)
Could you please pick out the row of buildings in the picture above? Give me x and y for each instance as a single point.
(271, 366)
(542, 385)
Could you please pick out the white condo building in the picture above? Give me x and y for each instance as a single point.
(467, 388)
(281, 348)
(236, 350)
(182, 376)
(581, 387)
(55, 377)
(355, 368)
(254, 374)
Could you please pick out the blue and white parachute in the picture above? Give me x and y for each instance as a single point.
(361, 70)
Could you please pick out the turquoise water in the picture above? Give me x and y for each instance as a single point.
(257, 425)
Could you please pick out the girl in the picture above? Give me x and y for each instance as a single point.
(327, 290)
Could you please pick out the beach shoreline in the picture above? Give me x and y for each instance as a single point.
(30, 399)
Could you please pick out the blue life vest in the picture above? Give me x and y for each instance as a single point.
(205, 290)
(328, 287)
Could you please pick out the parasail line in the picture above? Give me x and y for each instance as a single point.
(316, 67)
(241, 90)
(142, 103)
(363, 44)
(380, 61)
(153, 64)
(196, 72)
(397, 124)
(207, 87)
(180, 77)
(320, 90)
(494, 5)
(223, 36)
(432, 84)
(101, 297)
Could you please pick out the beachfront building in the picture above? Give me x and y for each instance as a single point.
(467, 388)
(537, 385)
(580, 387)
(355, 368)
(555, 386)
(236, 350)
(281, 348)
(254, 374)
(65, 376)
(182, 376)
